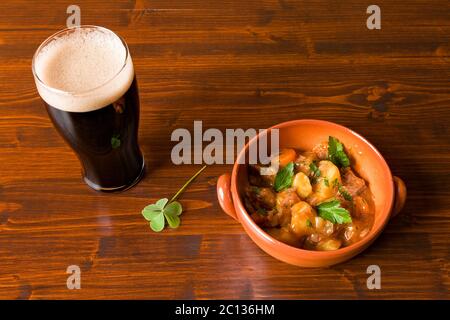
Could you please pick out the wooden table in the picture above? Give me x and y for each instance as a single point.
(232, 64)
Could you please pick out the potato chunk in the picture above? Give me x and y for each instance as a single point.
(325, 187)
(329, 245)
(302, 217)
(302, 185)
(285, 235)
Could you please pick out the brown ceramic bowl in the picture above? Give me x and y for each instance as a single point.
(389, 192)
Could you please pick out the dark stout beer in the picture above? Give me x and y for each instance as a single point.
(105, 140)
(86, 78)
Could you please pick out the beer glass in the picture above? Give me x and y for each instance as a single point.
(85, 77)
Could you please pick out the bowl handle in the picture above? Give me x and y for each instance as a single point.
(224, 195)
(400, 195)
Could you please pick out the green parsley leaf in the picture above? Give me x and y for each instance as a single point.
(256, 190)
(347, 196)
(262, 211)
(336, 153)
(167, 210)
(115, 141)
(314, 169)
(336, 183)
(326, 182)
(308, 223)
(284, 177)
(332, 211)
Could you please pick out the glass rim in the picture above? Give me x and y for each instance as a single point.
(72, 29)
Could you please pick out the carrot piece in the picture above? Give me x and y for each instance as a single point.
(286, 156)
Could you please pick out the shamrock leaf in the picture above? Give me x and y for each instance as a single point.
(150, 212)
(155, 214)
(162, 203)
(163, 209)
(157, 224)
(172, 212)
(173, 209)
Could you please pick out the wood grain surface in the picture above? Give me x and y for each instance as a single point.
(232, 64)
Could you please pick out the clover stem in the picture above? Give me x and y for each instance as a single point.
(186, 184)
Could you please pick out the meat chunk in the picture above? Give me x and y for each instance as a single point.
(361, 207)
(352, 184)
(304, 161)
(285, 200)
(256, 179)
(321, 151)
(260, 202)
(264, 198)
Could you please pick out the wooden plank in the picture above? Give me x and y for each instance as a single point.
(232, 64)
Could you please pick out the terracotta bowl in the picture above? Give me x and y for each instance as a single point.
(389, 192)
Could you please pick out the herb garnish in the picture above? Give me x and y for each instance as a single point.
(314, 169)
(256, 190)
(336, 183)
(115, 141)
(336, 153)
(262, 211)
(332, 211)
(167, 210)
(308, 223)
(284, 177)
(345, 194)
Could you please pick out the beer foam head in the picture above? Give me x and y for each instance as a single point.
(83, 69)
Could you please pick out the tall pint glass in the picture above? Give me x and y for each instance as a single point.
(85, 77)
